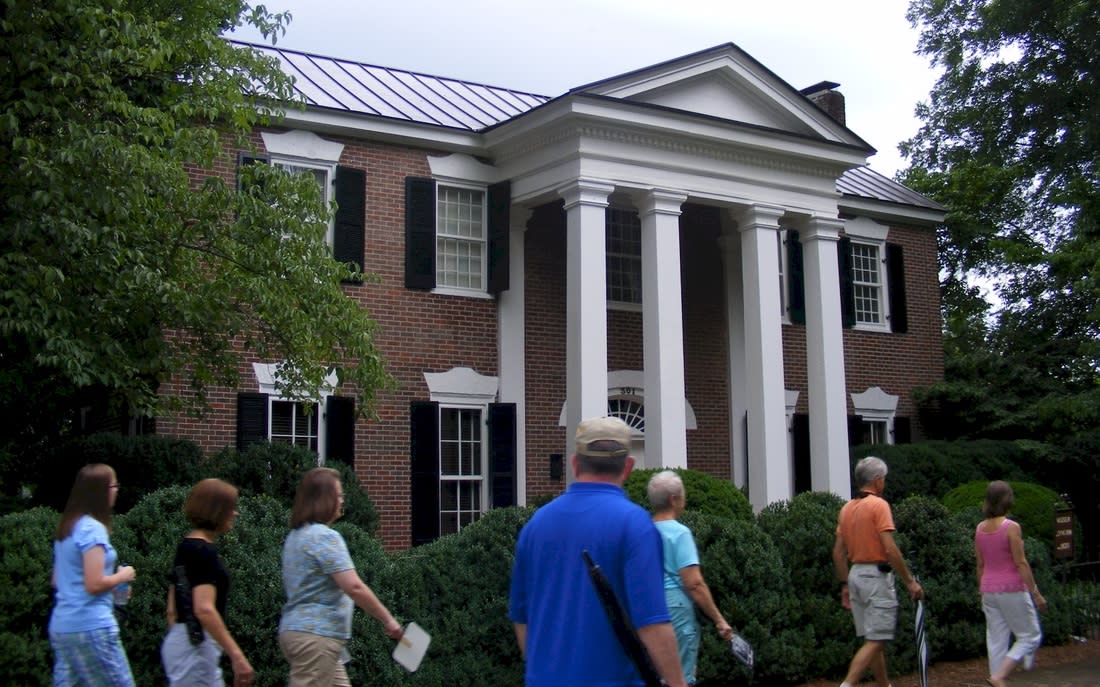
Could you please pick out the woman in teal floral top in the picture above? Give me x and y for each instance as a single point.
(322, 587)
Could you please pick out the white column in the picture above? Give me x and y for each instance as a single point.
(825, 358)
(663, 330)
(730, 245)
(585, 304)
(769, 466)
(512, 319)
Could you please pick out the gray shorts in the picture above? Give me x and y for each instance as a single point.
(874, 601)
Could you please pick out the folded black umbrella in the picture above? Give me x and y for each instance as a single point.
(922, 644)
(620, 623)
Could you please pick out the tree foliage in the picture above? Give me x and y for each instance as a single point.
(115, 228)
(1011, 145)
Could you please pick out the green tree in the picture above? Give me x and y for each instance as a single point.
(115, 228)
(1011, 145)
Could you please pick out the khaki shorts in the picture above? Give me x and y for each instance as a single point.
(874, 601)
(315, 661)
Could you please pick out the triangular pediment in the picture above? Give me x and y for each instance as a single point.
(725, 83)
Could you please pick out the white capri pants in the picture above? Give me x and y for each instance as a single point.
(187, 665)
(1009, 614)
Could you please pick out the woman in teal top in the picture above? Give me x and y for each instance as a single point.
(322, 587)
(684, 584)
(83, 629)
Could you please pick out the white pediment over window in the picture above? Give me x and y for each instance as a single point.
(269, 379)
(302, 144)
(631, 384)
(461, 385)
(874, 403)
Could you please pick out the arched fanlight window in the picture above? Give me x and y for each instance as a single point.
(629, 411)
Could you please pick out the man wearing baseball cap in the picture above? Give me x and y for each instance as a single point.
(561, 627)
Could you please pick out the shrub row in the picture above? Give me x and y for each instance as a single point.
(771, 576)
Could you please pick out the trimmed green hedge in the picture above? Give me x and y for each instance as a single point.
(706, 494)
(772, 578)
(1034, 507)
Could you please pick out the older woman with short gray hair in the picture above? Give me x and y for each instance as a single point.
(684, 584)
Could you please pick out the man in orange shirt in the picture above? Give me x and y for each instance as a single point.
(865, 536)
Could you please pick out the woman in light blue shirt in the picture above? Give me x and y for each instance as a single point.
(83, 629)
(322, 587)
(684, 584)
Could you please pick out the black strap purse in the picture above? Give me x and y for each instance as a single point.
(185, 610)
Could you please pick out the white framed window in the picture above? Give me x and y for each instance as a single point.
(462, 467)
(294, 422)
(461, 238)
(623, 232)
(870, 292)
(463, 396)
(868, 283)
(304, 152)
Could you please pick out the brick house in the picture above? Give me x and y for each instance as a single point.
(696, 247)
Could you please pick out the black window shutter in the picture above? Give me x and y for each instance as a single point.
(245, 158)
(349, 226)
(424, 454)
(796, 279)
(847, 293)
(502, 454)
(895, 280)
(800, 430)
(340, 429)
(855, 430)
(500, 205)
(903, 430)
(251, 419)
(419, 233)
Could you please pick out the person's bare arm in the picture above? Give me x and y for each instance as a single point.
(979, 563)
(170, 608)
(350, 583)
(660, 642)
(95, 582)
(203, 598)
(1019, 557)
(894, 558)
(840, 567)
(696, 587)
(521, 638)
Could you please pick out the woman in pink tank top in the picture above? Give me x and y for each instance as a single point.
(1009, 593)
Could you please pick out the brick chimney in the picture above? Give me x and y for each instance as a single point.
(825, 96)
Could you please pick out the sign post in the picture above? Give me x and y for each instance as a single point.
(1063, 532)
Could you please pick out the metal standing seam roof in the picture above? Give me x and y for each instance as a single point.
(360, 88)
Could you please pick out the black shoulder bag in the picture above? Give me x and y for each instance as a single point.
(185, 610)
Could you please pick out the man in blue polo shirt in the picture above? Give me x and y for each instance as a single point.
(561, 627)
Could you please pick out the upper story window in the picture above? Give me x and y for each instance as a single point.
(624, 256)
(322, 174)
(867, 283)
(461, 238)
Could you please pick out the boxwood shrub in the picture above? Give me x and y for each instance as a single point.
(705, 493)
(1034, 507)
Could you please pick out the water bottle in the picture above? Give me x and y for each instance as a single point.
(121, 593)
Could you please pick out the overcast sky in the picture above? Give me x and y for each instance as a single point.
(866, 46)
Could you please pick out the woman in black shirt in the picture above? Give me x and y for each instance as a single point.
(197, 595)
